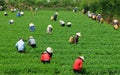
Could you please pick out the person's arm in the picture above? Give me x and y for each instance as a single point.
(80, 65)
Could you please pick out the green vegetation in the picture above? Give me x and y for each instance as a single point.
(108, 8)
(99, 44)
(46, 4)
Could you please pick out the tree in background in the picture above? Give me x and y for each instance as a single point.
(108, 8)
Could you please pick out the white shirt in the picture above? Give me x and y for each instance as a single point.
(62, 22)
(20, 44)
(32, 41)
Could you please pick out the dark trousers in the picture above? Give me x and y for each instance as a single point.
(62, 24)
(5, 15)
(33, 45)
(46, 62)
(21, 51)
(76, 71)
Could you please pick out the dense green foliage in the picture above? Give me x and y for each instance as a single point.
(99, 44)
(108, 8)
(51, 4)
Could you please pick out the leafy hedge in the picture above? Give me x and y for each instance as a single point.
(25, 4)
(108, 8)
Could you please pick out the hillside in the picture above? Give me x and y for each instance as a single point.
(99, 44)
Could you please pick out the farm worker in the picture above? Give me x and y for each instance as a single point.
(32, 42)
(21, 13)
(51, 18)
(11, 21)
(20, 45)
(5, 14)
(36, 9)
(45, 57)
(15, 10)
(115, 24)
(83, 11)
(68, 24)
(93, 16)
(75, 9)
(76, 37)
(62, 23)
(78, 64)
(49, 29)
(99, 18)
(71, 40)
(55, 16)
(18, 14)
(89, 14)
(12, 10)
(49, 50)
(31, 27)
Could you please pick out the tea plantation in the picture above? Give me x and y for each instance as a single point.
(99, 44)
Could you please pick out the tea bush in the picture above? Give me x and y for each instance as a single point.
(99, 44)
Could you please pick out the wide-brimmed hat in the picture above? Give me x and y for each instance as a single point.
(49, 50)
(115, 20)
(99, 14)
(31, 37)
(56, 13)
(11, 20)
(31, 24)
(68, 23)
(79, 34)
(5, 12)
(82, 57)
(50, 25)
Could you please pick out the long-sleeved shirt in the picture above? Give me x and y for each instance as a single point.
(78, 64)
(45, 57)
(31, 41)
(20, 45)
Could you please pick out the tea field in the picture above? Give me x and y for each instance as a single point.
(99, 44)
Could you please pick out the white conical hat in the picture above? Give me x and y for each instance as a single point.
(79, 34)
(31, 37)
(115, 20)
(68, 23)
(56, 13)
(50, 25)
(61, 21)
(5, 12)
(49, 49)
(82, 57)
(11, 20)
(31, 24)
(21, 12)
(76, 7)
